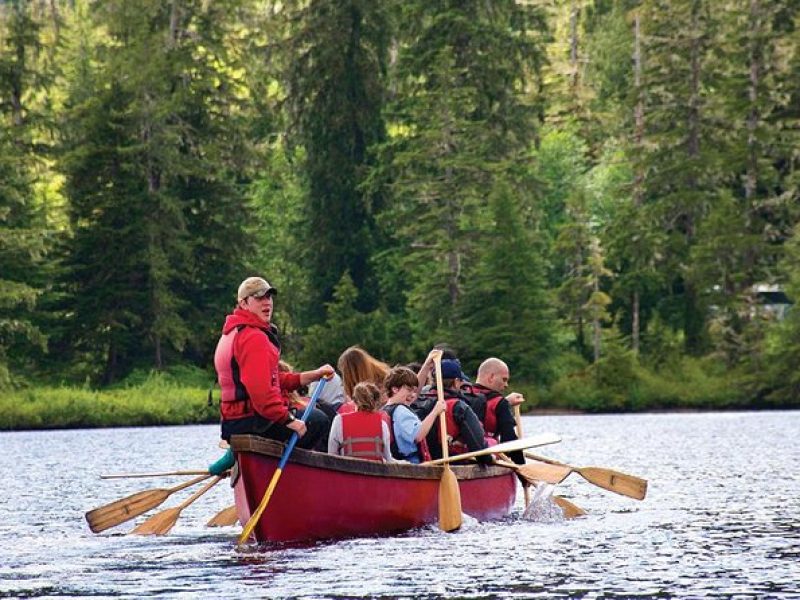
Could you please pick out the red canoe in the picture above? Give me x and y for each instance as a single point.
(321, 496)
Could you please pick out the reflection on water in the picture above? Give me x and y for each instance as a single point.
(720, 520)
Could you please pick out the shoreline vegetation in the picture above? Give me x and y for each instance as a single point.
(181, 398)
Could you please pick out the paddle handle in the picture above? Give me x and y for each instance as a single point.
(160, 474)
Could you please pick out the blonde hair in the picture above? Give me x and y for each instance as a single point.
(367, 397)
(356, 365)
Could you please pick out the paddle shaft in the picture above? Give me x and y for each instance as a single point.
(161, 474)
(256, 516)
(449, 493)
(518, 420)
(542, 439)
(199, 492)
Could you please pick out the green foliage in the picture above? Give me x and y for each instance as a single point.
(506, 311)
(157, 401)
(331, 58)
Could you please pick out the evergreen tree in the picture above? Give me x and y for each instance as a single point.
(332, 57)
(157, 211)
(684, 140)
(23, 233)
(506, 310)
(465, 114)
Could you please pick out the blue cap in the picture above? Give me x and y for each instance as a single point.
(451, 369)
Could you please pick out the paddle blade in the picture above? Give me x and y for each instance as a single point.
(569, 509)
(614, 481)
(158, 524)
(224, 518)
(449, 501)
(533, 472)
(120, 511)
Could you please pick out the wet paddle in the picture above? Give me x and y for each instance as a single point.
(161, 474)
(542, 439)
(449, 494)
(161, 523)
(608, 479)
(569, 509)
(120, 511)
(224, 518)
(256, 516)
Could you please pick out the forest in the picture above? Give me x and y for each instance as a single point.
(603, 193)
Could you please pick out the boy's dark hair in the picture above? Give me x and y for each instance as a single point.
(399, 376)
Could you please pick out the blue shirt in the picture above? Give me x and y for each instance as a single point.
(406, 426)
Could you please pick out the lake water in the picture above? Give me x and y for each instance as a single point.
(721, 519)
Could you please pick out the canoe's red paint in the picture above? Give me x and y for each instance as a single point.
(321, 496)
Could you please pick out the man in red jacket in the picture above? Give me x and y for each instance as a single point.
(246, 361)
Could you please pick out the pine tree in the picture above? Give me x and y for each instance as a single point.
(23, 234)
(331, 58)
(466, 113)
(157, 210)
(506, 311)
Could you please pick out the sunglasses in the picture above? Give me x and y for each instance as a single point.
(263, 294)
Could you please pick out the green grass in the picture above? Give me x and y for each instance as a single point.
(157, 399)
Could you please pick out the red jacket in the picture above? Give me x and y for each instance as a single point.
(246, 361)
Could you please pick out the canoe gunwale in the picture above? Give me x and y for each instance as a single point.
(274, 449)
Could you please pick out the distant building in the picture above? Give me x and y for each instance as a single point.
(770, 301)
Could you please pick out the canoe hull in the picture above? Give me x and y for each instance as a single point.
(322, 497)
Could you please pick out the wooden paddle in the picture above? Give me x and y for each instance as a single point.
(161, 523)
(518, 419)
(569, 509)
(542, 439)
(608, 479)
(161, 474)
(256, 516)
(449, 494)
(116, 513)
(224, 518)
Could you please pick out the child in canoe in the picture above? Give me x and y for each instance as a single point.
(363, 433)
(407, 431)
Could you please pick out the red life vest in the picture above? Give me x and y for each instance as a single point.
(362, 435)
(454, 444)
(422, 447)
(234, 403)
(484, 402)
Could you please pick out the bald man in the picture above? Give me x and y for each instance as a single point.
(486, 399)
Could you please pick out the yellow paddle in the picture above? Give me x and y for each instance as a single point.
(256, 516)
(449, 494)
(161, 523)
(120, 511)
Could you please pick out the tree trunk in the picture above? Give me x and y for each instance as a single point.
(638, 182)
